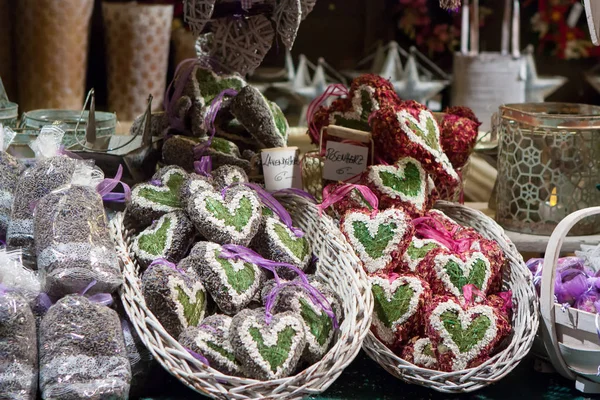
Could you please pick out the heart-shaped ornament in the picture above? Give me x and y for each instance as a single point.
(420, 352)
(357, 117)
(262, 118)
(404, 184)
(447, 272)
(267, 351)
(232, 284)
(399, 306)
(463, 337)
(275, 241)
(195, 184)
(170, 238)
(212, 339)
(317, 324)
(228, 175)
(150, 201)
(176, 300)
(417, 251)
(234, 219)
(379, 238)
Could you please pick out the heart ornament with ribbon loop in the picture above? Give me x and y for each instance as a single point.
(150, 201)
(319, 326)
(400, 303)
(411, 130)
(417, 251)
(379, 238)
(267, 351)
(170, 237)
(228, 175)
(447, 272)
(419, 352)
(463, 337)
(404, 184)
(232, 218)
(176, 300)
(232, 283)
(212, 339)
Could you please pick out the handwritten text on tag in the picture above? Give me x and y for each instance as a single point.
(281, 168)
(344, 161)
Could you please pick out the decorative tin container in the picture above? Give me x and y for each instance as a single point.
(33, 121)
(548, 166)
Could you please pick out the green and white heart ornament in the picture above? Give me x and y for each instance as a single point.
(404, 184)
(271, 350)
(176, 300)
(230, 219)
(211, 339)
(170, 237)
(363, 104)
(149, 201)
(232, 283)
(463, 337)
(420, 352)
(400, 301)
(417, 251)
(379, 238)
(448, 272)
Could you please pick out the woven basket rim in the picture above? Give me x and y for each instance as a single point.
(525, 321)
(210, 382)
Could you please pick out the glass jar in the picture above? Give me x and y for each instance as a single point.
(33, 121)
(9, 115)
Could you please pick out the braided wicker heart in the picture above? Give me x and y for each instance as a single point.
(463, 338)
(399, 307)
(234, 219)
(267, 351)
(379, 238)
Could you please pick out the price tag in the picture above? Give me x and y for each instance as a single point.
(344, 161)
(281, 168)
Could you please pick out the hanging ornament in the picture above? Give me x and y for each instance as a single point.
(287, 15)
(198, 13)
(307, 7)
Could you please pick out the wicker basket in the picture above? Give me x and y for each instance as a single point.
(569, 335)
(338, 267)
(524, 321)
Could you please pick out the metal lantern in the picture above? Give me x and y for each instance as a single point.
(548, 166)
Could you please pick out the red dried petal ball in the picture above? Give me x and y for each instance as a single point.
(458, 137)
(464, 112)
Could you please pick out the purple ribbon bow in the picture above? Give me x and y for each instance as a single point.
(204, 166)
(104, 299)
(269, 201)
(167, 263)
(106, 187)
(210, 118)
(198, 357)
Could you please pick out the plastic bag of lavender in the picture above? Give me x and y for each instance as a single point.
(51, 171)
(10, 170)
(72, 238)
(18, 347)
(82, 352)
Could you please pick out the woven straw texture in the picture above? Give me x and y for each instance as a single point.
(525, 320)
(338, 267)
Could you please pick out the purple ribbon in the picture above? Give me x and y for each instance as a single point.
(2, 243)
(43, 302)
(204, 166)
(167, 263)
(156, 182)
(269, 201)
(317, 298)
(297, 192)
(106, 187)
(104, 299)
(4, 289)
(180, 79)
(210, 118)
(198, 357)
(70, 154)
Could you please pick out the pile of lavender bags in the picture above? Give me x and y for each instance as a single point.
(576, 285)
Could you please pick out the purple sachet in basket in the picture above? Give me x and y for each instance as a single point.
(589, 301)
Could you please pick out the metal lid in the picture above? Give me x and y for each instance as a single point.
(553, 115)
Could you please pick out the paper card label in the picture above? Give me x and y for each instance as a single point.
(281, 168)
(344, 161)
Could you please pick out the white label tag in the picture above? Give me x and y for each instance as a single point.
(344, 161)
(281, 168)
(574, 15)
